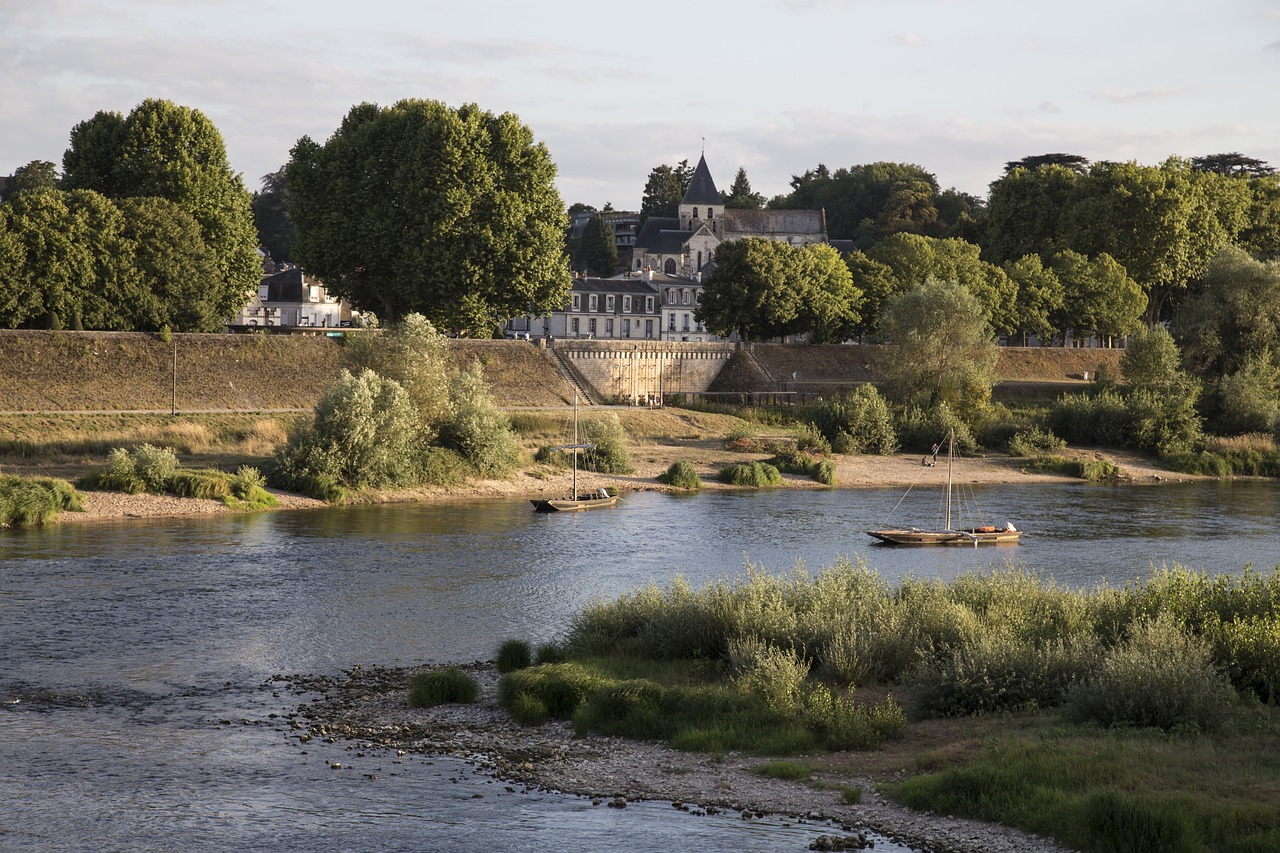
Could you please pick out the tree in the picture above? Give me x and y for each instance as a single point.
(1163, 224)
(751, 290)
(664, 190)
(598, 249)
(1233, 165)
(829, 310)
(1151, 360)
(178, 272)
(1040, 296)
(1098, 295)
(943, 346)
(276, 231)
(36, 175)
(173, 152)
(1072, 162)
(877, 284)
(1261, 235)
(869, 202)
(452, 213)
(740, 196)
(1233, 315)
(1025, 213)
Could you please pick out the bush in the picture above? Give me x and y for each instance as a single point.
(550, 652)
(208, 484)
(1035, 442)
(558, 688)
(154, 466)
(33, 502)
(1093, 470)
(774, 675)
(442, 687)
(476, 428)
(514, 654)
(610, 454)
(752, 474)
(857, 423)
(681, 475)
(923, 428)
(145, 469)
(843, 724)
(1161, 676)
(792, 460)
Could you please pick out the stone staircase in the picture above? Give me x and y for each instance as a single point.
(571, 376)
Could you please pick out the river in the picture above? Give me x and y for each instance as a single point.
(139, 712)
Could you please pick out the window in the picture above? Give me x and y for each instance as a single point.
(697, 297)
(626, 305)
(671, 321)
(648, 328)
(577, 302)
(595, 302)
(686, 322)
(608, 328)
(671, 296)
(699, 259)
(684, 297)
(670, 266)
(591, 327)
(574, 326)
(626, 327)
(648, 305)
(711, 213)
(609, 303)
(695, 213)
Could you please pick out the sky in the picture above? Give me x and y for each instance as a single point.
(772, 86)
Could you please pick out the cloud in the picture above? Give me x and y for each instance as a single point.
(1115, 97)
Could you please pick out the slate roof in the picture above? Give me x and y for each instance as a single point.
(766, 222)
(285, 286)
(662, 235)
(702, 190)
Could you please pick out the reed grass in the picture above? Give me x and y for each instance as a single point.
(32, 502)
(681, 475)
(450, 685)
(513, 654)
(750, 474)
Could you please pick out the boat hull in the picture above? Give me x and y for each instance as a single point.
(572, 504)
(910, 536)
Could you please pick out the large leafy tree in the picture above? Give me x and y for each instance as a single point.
(276, 231)
(1163, 223)
(1232, 165)
(1233, 315)
(168, 151)
(944, 350)
(1025, 210)
(420, 207)
(1098, 295)
(752, 290)
(178, 273)
(36, 175)
(913, 259)
(664, 190)
(1073, 162)
(830, 310)
(1040, 297)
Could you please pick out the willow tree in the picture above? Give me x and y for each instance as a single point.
(419, 207)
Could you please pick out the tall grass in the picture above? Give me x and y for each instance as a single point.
(31, 502)
(450, 685)
(681, 475)
(754, 475)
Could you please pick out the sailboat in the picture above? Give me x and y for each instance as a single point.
(590, 500)
(948, 535)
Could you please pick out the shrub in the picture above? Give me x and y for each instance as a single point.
(610, 454)
(844, 724)
(825, 472)
(527, 709)
(1035, 442)
(1161, 677)
(753, 474)
(441, 687)
(154, 466)
(776, 676)
(186, 483)
(146, 468)
(514, 654)
(857, 423)
(681, 475)
(476, 428)
(925, 427)
(248, 492)
(792, 460)
(1092, 470)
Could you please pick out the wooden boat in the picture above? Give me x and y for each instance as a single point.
(576, 501)
(948, 535)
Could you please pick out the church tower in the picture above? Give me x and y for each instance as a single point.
(702, 204)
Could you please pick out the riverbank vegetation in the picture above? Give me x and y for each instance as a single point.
(147, 468)
(1103, 714)
(31, 502)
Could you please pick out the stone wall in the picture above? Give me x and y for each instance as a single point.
(635, 371)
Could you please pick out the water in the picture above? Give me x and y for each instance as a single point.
(135, 684)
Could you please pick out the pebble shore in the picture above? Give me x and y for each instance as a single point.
(369, 707)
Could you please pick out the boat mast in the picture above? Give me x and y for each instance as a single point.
(951, 455)
(574, 496)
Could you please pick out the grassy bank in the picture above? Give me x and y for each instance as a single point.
(1141, 718)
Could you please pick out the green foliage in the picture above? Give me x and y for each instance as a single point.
(476, 428)
(792, 771)
(610, 455)
(365, 434)
(925, 427)
(144, 469)
(943, 347)
(248, 491)
(857, 423)
(681, 475)
(1233, 317)
(416, 356)
(825, 472)
(514, 654)
(31, 502)
(1248, 400)
(213, 485)
(1035, 442)
(450, 685)
(1151, 360)
(418, 206)
(1160, 676)
(752, 474)
(774, 675)
(843, 724)
(559, 688)
(1093, 470)
(1164, 422)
